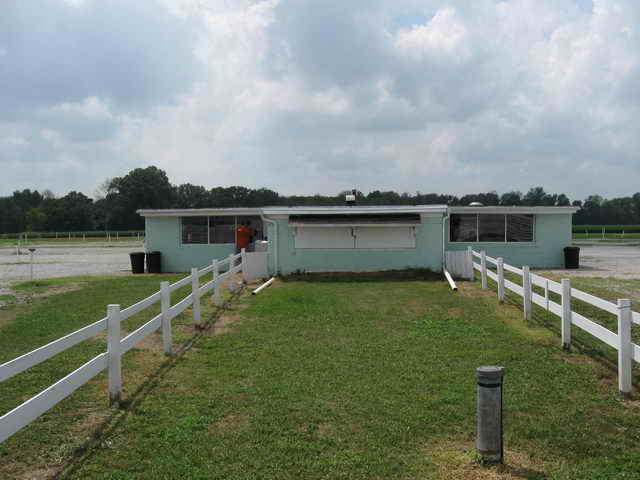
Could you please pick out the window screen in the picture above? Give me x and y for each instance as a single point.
(194, 230)
(463, 228)
(520, 228)
(222, 229)
(491, 228)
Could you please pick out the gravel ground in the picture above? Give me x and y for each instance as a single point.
(64, 260)
(610, 260)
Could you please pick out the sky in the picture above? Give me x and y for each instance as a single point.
(321, 96)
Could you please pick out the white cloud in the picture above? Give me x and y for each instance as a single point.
(310, 97)
(445, 35)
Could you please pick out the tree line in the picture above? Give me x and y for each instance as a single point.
(117, 200)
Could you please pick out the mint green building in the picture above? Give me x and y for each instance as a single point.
(359, 238)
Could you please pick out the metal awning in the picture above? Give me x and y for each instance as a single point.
(377, 220)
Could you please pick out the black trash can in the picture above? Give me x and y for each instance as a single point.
(153, 262)
(137, 262)
(571, 257)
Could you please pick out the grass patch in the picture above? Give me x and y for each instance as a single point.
(60, 433)
(43, 285)
(606, 288)
(328, 379)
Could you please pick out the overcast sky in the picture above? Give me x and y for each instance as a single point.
(319, 96)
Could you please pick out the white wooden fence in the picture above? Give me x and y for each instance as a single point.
(627, 350)
(27, 412)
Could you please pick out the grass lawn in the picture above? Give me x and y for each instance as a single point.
(319, 379)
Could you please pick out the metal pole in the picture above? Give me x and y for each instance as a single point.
(489, 410)
(31, 252)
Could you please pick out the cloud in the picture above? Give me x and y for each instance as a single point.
(307, 97)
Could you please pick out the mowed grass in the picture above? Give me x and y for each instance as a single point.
(335, 379)
(610, 289)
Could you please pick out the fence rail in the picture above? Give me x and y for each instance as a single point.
(621, 341)
(106, 234)
(110, 360)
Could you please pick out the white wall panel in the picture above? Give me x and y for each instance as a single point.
(324, 237)
(385, 237)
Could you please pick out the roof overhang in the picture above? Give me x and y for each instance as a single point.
(516, 210)
(370, 220)
(355, 210)
(199, 212)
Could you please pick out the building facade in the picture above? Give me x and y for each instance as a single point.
(360, 238)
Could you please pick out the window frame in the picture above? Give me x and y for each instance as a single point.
(182, 242)
(235, 233)
(477, 240)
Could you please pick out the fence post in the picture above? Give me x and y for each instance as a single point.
(483, 265)
(114, 353)
(470, 263)
(230, 282)
(566, 314)
(500, 279)
(546, 294)
(526, 287)
(216, 284)
(625, 347)
(243, 263)
(165, 304)
(195, 292)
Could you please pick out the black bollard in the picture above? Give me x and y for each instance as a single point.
(489, 411)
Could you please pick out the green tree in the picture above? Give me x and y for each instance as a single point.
(35, 219)
(511, 199)
(142, 188)
(192, 196)
(563, 200)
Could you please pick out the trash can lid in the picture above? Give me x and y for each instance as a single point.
(572, 248)
(136, 253)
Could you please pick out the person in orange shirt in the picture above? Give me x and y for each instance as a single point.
(243, 237)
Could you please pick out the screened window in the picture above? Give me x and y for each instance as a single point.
(194, 229)
(222, 229)
(464, 228)
(218, 229)
(491, 228)
(520, 228)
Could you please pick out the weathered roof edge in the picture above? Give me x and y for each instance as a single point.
(514, 209)
(173, 212)
(193, 212)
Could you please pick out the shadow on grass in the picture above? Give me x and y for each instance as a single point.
(581, 341)
(408, 275)
(110, 424)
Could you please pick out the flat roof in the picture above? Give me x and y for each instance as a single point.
(198, 212)
(338, 210)
(354, 210)
(512, 210)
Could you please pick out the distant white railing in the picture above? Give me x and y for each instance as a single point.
(627, 350)
(28, 411)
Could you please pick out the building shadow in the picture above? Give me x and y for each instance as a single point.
(408, 275)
